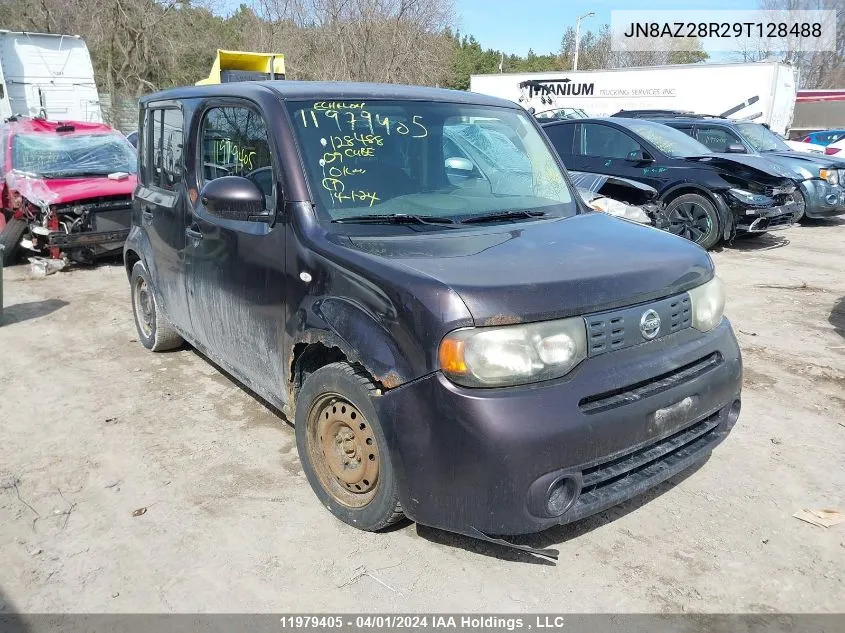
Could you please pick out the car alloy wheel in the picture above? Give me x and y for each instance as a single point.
(689, 220)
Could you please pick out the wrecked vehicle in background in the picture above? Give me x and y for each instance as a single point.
(820, 179)
(620, 197)
(709, 197)
(66, 189)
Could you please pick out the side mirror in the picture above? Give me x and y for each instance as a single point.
(235, 198)
(459, 164)
(639, 157)
(735, 148)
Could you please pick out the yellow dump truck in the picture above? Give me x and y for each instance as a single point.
(245, 66)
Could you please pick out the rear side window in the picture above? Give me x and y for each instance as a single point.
(606, 142)
(716, 138)
(562, 137)
(163, 152)
(235, 143)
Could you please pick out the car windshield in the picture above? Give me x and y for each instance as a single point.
(69, 155)
(761, 139)
(440, 161)
(668, 140)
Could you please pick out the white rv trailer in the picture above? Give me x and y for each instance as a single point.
(763, 91)
(47, 75)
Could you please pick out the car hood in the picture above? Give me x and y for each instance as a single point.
(805, 165)
(531, 271)
(751, 166)
(68, 190)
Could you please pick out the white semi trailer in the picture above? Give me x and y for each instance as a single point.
(47, 75)
(763, 92)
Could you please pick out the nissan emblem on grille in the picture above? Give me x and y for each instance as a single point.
(649, 324)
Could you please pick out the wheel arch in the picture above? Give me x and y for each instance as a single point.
(130, 258)
(726, 219)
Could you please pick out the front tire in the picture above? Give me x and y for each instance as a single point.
(154, 330)
(343, 449)
(694, 217)
(10, 238)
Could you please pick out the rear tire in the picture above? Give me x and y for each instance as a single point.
(10, 238)
(154, 330)
(343, 449)
(694, 217)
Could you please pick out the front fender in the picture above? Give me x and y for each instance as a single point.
(342, 323)
(380, 314)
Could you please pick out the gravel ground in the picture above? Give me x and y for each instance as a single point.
(93, 428)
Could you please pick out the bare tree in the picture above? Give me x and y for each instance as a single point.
(816, 69)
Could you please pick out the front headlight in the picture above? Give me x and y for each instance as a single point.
(513, 354)
(753, 199)
(830, 175)
(708, 304)
(620, 210)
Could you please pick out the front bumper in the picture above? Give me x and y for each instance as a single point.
(620, 423)
(761, 219)
(822, 200)
(68, 241)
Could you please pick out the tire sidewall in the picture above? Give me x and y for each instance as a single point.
(138, 270)
(712, 236)
(334, 379)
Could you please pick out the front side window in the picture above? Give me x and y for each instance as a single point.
(604, 141)
(716, 138)
(68, 155)
(423, 158)
(234, 142)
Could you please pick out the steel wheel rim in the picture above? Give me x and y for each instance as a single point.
(144, 306)
(690, 220)
(343, 450)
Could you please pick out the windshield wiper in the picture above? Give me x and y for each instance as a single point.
(394, 218)
(504, 215)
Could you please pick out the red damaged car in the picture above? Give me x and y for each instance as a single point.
(65, 188)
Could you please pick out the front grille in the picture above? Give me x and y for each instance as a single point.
(618, 397)
(605, 333)
(97, 205)
(618, 329)
(680, 314)
(606, 479)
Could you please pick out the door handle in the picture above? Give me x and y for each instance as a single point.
(193, 233)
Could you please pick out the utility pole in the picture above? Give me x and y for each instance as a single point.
(578, 37)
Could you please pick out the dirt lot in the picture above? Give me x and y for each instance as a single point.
(94, 427)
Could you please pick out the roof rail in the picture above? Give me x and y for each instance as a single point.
(663, 114)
